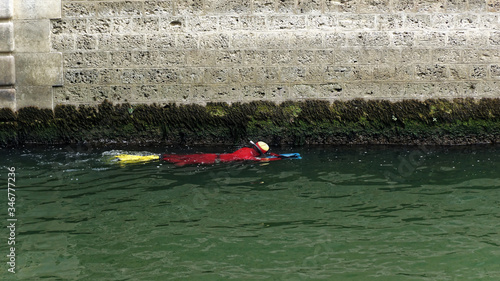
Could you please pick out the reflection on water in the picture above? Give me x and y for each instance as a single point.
(340, 213)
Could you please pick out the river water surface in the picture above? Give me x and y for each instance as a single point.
(340, 213)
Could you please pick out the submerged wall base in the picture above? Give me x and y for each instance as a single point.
(434, 121)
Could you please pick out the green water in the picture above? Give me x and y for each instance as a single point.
(340, 213)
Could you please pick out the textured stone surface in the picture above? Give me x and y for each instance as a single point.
(197, 51)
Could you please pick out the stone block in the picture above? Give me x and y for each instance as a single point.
(266, 75)
(39, 96)
(390, 21)
(335, 39)
(37, 9)
(307, 40)
(495, 38)
(417, 21)
(467, 20)
(108, 76)
(146, 93)
(62, 43)
(78, 9)
(282, 57)
(68, 26)
(274, 40)
(431, 72)
(490, 21)
(187, 41)
(457, 39)
(6, 9)
(228, 6)
(255, 57)
(216, 75)
(286, 6)
(443, 21)
(309, 6)
(253, 22)
(8, 98)
(374, 6)
(373, 39)
(229, 22)
(403, 5)
(32, 36)
(243, 40)
(456, 6)
(202, 23)
(459, 71)
(245, 75)
(430, 38)
(200, 58)
(323, 22)
(81, 76)
(161, 8)
(39, 69)
(110, 9)
(356, 21)
(477, 6)
(191, 75)
(264, 6)
(71, 94)
(161, 42)
(186, 7)
(478, 71)
(406, 39)
(287, 22)
(6, 37)
(171, 58)
(228, 57)
(477, 40)
(493, 5)
(430, 6)
(108, 42)
(293, 74)
(447, 55)
(495, 71)
(347, 6)
(172, 24)
(481, 55)
(305, 57)
(411, 56)
(86, 42)
(7, 71)
(214, 41)
(158, 75)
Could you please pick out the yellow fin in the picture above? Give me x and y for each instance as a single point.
(126, 158)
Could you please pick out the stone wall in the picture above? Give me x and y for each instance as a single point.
(197, 51)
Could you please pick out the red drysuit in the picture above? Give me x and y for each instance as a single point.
(245, 153)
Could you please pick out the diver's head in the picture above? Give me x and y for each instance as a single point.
(261, 147)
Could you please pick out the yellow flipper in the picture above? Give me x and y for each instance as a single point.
(126, 158)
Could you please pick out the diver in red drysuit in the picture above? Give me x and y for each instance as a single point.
(255, 153)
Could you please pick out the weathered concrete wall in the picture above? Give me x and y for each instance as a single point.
(196, 51)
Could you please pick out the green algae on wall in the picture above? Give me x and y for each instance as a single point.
(434, 121)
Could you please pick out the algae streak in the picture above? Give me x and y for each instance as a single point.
(436, 121)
